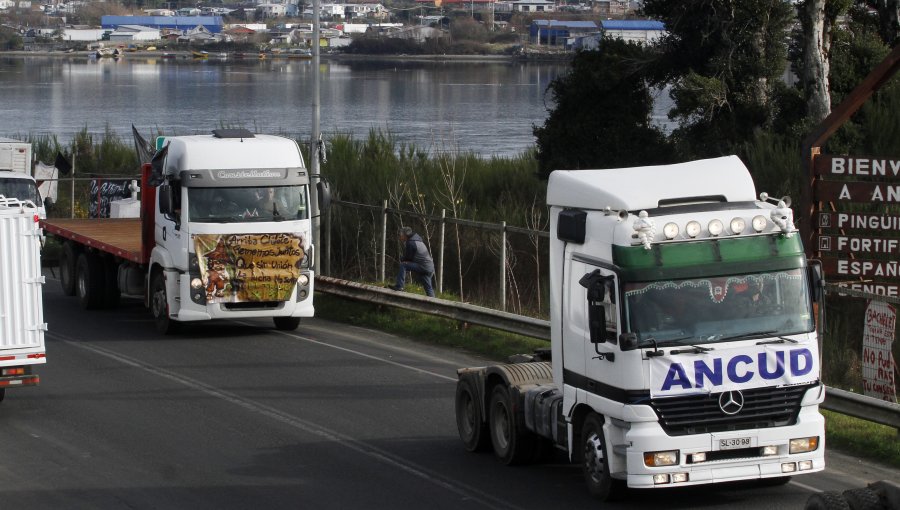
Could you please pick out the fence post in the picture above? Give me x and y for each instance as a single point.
(383, 236)
(503, 266)
(326, 243)
(440, 275)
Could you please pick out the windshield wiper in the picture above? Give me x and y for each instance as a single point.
(694, 349)
(779, 340)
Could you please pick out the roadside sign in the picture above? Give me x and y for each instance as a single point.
(877, 358)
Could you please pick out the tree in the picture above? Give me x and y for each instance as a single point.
(724, 60)
(601, 113)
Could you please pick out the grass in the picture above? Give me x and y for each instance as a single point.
(862, 438)
(854, 436)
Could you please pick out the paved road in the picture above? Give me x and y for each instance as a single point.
(239, 415)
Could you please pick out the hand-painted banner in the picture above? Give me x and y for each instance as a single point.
(877, 356)
(723, 369)
(249, 267)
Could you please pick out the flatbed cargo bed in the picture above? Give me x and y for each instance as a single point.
(118, 236)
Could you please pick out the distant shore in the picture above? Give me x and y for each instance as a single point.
(237, 55)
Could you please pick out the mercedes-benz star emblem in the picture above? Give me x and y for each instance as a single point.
(731, 402)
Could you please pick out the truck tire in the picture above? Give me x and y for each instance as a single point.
(594, 461)
(159, 305)
(286, 323)
(111, 294)
(89, 279)
(863, 498)
(471, 425)
(829, 500)
(512, 443)
(67, 258)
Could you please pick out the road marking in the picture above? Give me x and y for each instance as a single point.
(362, 354)
(804, 486)
(466, 492)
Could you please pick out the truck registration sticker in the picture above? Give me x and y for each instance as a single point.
(734, 443)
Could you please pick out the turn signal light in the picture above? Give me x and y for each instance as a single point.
(804, 444)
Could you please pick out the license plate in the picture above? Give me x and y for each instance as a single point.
(734, 443)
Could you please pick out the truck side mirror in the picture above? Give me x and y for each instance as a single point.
(324, 191)
(166, 207)
(595, 283)
(816, 280)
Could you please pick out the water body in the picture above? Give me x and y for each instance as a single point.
(484, 107)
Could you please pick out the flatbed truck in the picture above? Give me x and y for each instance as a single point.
(224, 231)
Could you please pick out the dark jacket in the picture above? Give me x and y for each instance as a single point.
(416, 251)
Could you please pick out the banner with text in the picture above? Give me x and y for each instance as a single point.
(877, 357)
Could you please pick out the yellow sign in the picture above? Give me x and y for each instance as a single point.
(237, 268)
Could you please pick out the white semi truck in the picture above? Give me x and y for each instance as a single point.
(684, 345)
(224, 231)
(22, 323)
(16, 178)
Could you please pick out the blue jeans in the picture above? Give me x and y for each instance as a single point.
(419, 274)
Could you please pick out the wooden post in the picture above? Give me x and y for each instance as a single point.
(440, 275)
(383, 236)
(503, 266)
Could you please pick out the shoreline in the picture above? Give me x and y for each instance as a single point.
(225, 56)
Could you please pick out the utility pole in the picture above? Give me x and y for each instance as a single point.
(314, 177)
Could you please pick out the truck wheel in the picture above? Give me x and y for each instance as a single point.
(89, 280)
(595, 461)
(863, 498)
(159, 305)
(829, 500)
(111, 294)
(67, 259)
(471, 426)
(286, 323)
(512, 443)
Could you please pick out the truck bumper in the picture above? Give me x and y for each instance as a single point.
(190, 311)
(768, 455)
(18, 376)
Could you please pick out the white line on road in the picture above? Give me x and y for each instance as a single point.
(804, 486)
(468, 493)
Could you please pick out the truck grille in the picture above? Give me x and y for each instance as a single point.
(699, 414)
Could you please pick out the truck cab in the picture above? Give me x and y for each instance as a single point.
(231, 236)
(684, 347)
(23, 187)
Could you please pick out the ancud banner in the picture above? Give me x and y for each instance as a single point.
(877, 359)
(249, 267)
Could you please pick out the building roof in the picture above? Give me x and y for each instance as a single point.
(564, 24)
(632, 24)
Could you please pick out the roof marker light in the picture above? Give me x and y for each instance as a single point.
(759, 223)
(738, 225)
(692, 229)
(670, 231)
(715, 227)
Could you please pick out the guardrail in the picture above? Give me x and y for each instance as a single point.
(840, 401)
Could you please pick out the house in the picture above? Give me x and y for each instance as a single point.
(202, 35)
(633, 30)
(240, 34)
(560, 33)
(533, 6)
(419, 34)
(212, 23)
(271, 10)
(132, 33)
(82, 34)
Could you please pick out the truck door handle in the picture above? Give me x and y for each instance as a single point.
(164, 233)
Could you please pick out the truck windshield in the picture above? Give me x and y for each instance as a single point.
(718, 309)
(23, 189)
(249, 204)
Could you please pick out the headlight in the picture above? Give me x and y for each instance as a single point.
(715, 227)
(804, 444)
(196, 283)
(303, 280)
(738, 225)
(657, 459)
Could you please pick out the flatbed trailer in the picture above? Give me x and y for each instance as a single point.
(117, 236)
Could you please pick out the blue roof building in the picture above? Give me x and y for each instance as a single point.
(211, 23)
(633, 30)
(560, 33)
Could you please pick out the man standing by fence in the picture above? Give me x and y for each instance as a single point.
(416, 260)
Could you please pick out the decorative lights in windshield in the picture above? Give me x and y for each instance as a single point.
(781, 216)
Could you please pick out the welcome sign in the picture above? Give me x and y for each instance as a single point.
(732, 369)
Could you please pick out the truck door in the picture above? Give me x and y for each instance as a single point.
(608, 370)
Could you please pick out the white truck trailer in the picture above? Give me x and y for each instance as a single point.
(683, 336)
(22, 323)
(224, 232)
